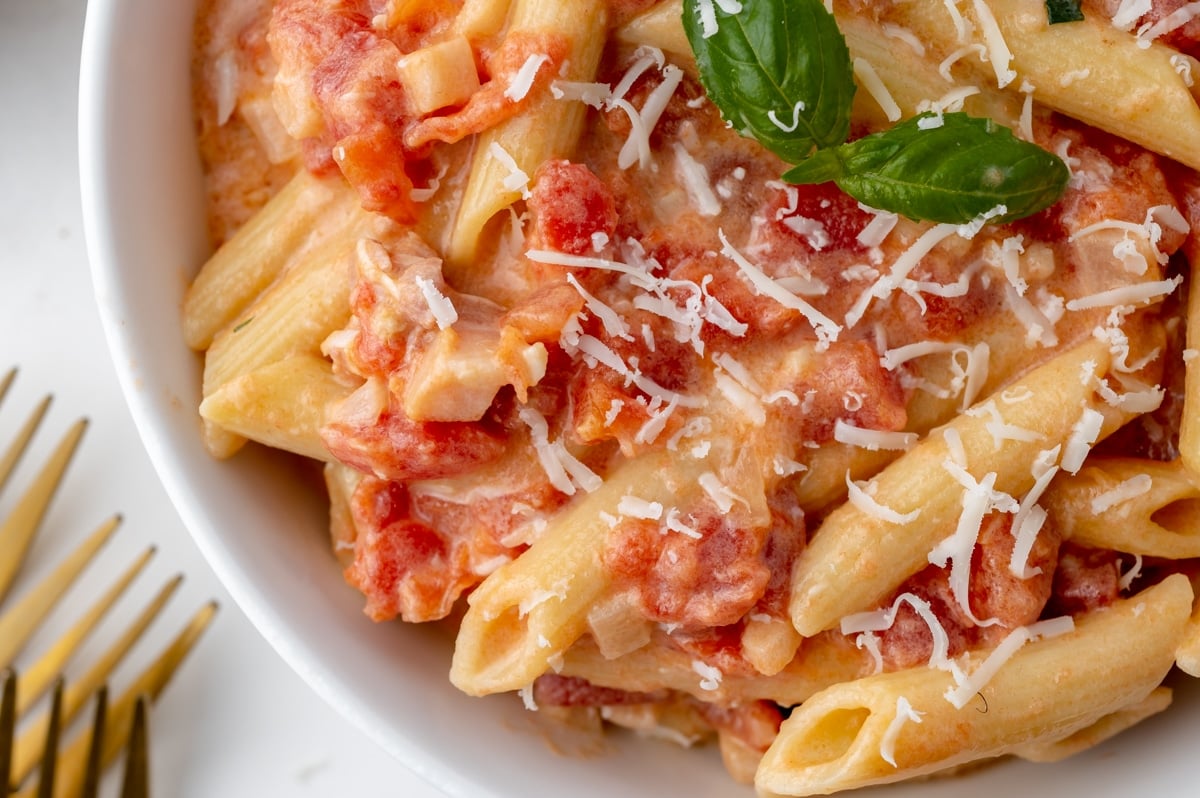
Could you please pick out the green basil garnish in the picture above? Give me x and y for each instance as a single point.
(960, 169)
(1063, 11)
(780, 72)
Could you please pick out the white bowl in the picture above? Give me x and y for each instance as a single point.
(265, 534)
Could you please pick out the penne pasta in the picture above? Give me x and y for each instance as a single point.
(1114, 82)
(506, 156)
(1189, 425)
(341, 481)
(534, 608)
(858, 557)
(299, 216)
(1108, 726)
(281, 405)
(1129, 505)
(819, 663)
(1048, 690)
(293, 317)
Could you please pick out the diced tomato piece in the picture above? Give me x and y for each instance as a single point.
(570, 205)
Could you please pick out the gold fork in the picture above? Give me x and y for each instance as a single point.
(67, 772)
(136, 780)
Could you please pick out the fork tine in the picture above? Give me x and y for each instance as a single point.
(16, 531)
(136, 782)
(91, 773)
(80, 690)
(148, 685)
(50, 747)
(38, 677)
(17, 448)
(8, 726)
(7, 381)
(18, 623)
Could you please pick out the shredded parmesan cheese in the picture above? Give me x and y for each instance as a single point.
(904, 264)
(1083, 436)
(439, 305)
(1176, 19)
(998, 52)
(522, 82)
(864, 501)
(979, 499)
(710, 677)
(956, 56)
(637, 146)
(1137, 293)
(708, 16)
(562, 468)
(872, 439)
(634, 507)
(696, 181)
(1013, 641)
(904, 714)
(870, 80)
(1129, 489)
(905, 35)
(1133, 573)
(516, 180)
(882, 619)
(827, 330)
(1129, 12)
(720, 494)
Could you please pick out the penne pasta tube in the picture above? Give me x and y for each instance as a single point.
(1132, 505)
(480, 19)
(899, 725)
(913, 82)
(294, 316)
(1088, 70)
(1187, 656)
(306, 210)
(1091, 736)
(825, 480)
(534, 608)
(281, 405)
(821, 661)
(857, 557)
(769, 644)
(341, 482)
(549, 129)
(1189, 424)
(659, 26)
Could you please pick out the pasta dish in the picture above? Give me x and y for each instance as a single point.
(815, 377)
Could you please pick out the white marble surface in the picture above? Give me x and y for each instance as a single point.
(235, 721)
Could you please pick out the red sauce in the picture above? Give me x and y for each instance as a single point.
(404, 568)
(393, 446)
(712, 580)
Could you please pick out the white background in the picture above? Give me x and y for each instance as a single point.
(235, 721)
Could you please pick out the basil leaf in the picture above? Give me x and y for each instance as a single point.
(784, 59)
(1063, 11)
(956, 172)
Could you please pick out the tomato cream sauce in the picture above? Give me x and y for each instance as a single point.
(683, 301)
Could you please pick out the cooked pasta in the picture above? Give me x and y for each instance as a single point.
(709, 381)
